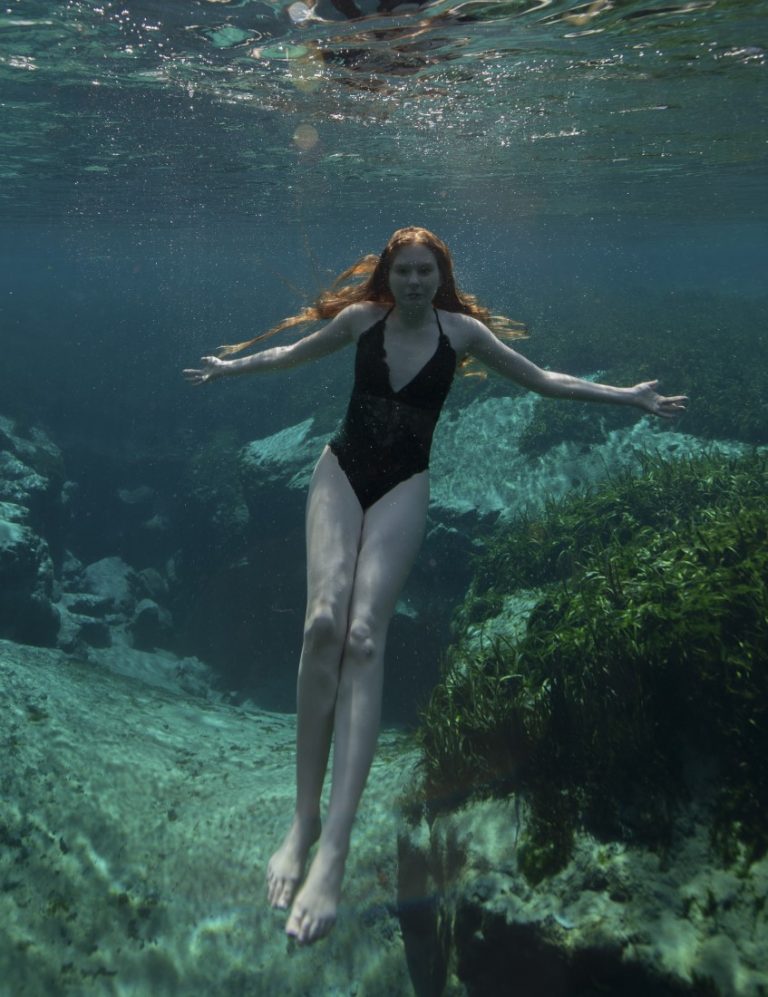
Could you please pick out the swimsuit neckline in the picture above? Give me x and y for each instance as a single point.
(440, 337)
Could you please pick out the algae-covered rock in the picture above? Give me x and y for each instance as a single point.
(628, 720)
(151, 626)
(32, 475)
(26, 581)
(483, 465)
(616, 919)
(112, 580)
(654, 646)
(285, 459)
(87, 604)
(78, 631)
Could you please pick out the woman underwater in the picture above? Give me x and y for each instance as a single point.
(366, 513)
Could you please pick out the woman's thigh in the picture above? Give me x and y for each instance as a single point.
(334, 523)
(393, 530)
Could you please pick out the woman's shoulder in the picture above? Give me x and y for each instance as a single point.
(462, 330)
(360, 316)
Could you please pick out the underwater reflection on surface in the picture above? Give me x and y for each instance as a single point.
(575, 105)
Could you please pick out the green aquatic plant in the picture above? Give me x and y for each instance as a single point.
(652, 652)
(554, 423)
(548, 546)
(473, 729)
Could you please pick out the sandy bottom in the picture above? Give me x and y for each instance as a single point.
(135, 828)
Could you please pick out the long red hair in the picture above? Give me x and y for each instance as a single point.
(368, 280)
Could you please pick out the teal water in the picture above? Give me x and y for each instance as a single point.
(178, 175)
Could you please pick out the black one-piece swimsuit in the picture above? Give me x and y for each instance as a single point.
(386, 435)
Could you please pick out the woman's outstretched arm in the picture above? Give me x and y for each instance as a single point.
(333, 336)
(489, 350)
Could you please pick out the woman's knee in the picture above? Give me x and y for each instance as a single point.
(324, 629)
(363, 642)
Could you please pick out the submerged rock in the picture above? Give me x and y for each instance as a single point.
(151, 626)
(47, 595)
(155, 585)
(32, 475)
(480, 464)
(87, 604)
(617, 919)
(78, 631)
(142, 495)
(623, 732)
(113, 581)
(26, 581)
(18, 482)
(285, 459)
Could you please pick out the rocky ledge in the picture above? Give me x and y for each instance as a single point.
(618, 919)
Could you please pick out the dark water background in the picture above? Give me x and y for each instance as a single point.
(175, 176)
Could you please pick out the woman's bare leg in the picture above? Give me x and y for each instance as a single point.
(393, 529)
(334, 523)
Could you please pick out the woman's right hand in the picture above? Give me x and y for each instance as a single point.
(212, 369)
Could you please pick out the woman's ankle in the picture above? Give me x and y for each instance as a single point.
(307, 824)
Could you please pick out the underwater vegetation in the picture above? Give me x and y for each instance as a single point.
(553, 423)
(643, 672)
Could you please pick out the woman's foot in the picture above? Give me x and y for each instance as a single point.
(314, 910)
(286, 867)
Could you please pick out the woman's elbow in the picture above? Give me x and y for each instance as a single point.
(541, 382)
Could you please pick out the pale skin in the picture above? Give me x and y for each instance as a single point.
(357, 564)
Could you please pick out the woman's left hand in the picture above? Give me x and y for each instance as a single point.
(648, 399)
(212, 369)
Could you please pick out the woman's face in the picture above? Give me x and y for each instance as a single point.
(414, 276)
